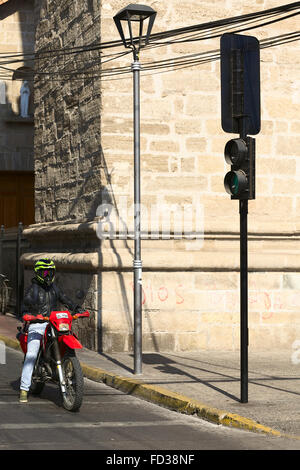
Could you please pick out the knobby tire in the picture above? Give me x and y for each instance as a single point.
(74, 383)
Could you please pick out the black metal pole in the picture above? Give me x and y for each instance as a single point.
(244, 340)
(1, 248)
(18, 270)
(137, 262)
(244, 299)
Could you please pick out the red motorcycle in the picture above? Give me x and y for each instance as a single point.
(56, 360)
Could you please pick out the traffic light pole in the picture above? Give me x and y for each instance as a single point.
(244, 299)
(240, 107)
(244, 340)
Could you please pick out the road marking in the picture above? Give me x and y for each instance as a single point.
(31, 403)
(100, 424)
(52, 403)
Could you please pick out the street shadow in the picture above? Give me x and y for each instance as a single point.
(170, 367)
(116, 362)
(15, 384)
(165, 365)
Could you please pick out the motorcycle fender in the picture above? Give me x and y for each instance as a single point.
(71, 341)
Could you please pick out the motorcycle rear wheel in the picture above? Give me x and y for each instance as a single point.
(72, 399)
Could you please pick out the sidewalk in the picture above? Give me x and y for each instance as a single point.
(206, 383)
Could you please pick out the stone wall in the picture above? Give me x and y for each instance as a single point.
(190, 286)
(67, 115)
(190, 311)
(67, 149)
(181, 135)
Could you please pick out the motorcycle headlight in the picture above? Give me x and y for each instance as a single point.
(63, 327)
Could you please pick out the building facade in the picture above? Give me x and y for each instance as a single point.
(16, 128)
(83, 151)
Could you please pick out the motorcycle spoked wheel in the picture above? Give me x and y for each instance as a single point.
(72, 399)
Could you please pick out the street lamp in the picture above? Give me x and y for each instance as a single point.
(136, 15)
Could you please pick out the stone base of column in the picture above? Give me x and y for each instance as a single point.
(190, 289)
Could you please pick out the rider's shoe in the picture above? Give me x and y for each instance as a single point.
(23, 396)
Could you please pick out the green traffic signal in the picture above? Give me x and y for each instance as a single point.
(235, 182)
(240, 181)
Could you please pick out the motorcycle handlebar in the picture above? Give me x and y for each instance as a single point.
(29, 318)
(80, 315)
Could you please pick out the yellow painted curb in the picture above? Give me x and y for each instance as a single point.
(175, 401)
(231, 419)
(12, 343)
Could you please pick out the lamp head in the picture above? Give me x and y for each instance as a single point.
(135, 15)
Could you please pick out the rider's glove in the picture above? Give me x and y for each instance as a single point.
(40, 317)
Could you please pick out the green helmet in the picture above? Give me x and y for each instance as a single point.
(45, 271)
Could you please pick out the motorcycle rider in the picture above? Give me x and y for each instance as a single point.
(40, 299)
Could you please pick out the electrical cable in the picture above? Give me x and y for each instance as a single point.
(199, 32)
(179, 63)
(250, 17)
(187, 60)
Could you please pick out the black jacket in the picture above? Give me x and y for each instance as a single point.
(41, 300)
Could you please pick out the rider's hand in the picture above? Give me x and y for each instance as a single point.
(40, 317)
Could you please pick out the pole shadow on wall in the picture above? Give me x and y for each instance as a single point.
(109, 200)
(104, 195)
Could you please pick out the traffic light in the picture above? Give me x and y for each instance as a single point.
(240, 181)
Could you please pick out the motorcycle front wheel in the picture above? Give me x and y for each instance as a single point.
(72, 398)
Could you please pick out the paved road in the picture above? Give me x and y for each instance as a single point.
(109, 420)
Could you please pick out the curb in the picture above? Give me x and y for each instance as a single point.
(174, 401)
(10, 342)
(163, 397)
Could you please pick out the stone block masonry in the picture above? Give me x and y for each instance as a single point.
(84, 157)
(67, 117)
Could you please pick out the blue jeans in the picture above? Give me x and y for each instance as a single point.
(35, 334)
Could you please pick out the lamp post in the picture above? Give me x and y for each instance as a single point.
(136, 15)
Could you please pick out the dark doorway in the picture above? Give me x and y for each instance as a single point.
(16, 198)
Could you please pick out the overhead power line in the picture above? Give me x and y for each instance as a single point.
(163, 65)
(93, 66)
(173, 63)
(198, 29)
(208, 26)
